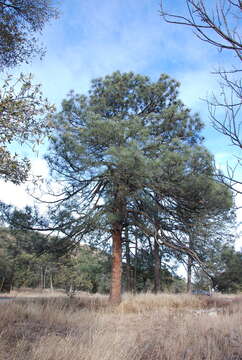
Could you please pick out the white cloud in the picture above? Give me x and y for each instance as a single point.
(39, 167)
(195, 87)
(105, 36)
(17, 195)
(14, 195)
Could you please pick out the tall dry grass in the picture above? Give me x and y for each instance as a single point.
(144, 326)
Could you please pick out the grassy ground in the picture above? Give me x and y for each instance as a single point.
(51, 326)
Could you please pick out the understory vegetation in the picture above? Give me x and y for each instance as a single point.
(50, 326)
(29, 259)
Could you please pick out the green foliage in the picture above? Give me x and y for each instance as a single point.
(178, 285)
(23, 120)
(230, 278)
(130, 152)
(5, 271)
(16, 257)
(20, 21)
(22, 106)
(128, 135)
(141, 270)
(28, 259)
(84, 270)
(224, 264)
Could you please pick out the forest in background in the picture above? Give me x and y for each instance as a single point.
(30, 260)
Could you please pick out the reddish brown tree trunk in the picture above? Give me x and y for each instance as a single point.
(115, 295)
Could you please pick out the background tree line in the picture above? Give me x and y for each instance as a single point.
(25, 262)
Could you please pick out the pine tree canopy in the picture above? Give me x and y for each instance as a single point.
(129, 151)
(127, 134)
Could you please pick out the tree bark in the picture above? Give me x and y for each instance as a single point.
(189, 274)
(189, 265)
(135, 266)
(115, 295)
(44, 278)
(6, 285)
(127, 255)
(51, 281)
(2, 282)
(157, 269)
(41, 278)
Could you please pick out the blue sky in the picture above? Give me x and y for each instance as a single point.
(94, 38)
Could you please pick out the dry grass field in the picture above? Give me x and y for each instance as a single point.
(50, 326)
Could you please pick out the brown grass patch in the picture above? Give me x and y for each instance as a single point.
(142, 303)
(142, 327)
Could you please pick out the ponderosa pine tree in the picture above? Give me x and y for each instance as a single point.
(108, 146)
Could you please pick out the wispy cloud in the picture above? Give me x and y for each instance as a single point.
(92, 39)
(17, 195)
